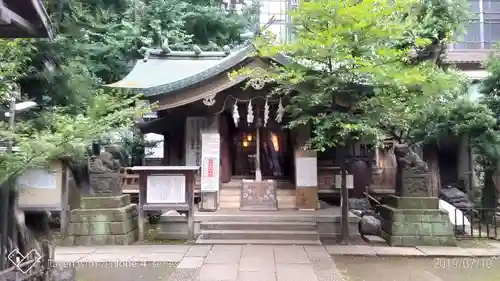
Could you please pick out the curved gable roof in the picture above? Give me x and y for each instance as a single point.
(162, 72)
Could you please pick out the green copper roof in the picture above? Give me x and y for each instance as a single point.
(163, 70)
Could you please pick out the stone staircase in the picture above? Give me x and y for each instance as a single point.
(287, 226)
(245, 230)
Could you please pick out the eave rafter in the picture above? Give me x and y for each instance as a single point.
(8, 17)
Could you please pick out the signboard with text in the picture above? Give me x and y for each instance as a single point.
(210, 164)
(194, 126)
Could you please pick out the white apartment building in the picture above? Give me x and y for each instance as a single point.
(272, 14)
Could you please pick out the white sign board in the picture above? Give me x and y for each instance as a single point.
(210, 164)
(194, 126)
(306, 171)
(157, 150)
(37, 178)
(349, 181)
(166, 189)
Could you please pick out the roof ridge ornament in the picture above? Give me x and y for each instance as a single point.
(197, 50)
(226, 49)
(210, 100)
(165, 47)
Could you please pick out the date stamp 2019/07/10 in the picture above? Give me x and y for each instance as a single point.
(464, 263)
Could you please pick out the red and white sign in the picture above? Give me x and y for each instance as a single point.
(210, 164)
(209, 169)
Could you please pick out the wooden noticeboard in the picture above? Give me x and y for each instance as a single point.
(164, 188)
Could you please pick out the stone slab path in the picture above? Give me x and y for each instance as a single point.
(493, 250)
(246, 262)
(214, 263)
(256, 263)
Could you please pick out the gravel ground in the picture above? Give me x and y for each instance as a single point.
(418, 269)
(126, 272)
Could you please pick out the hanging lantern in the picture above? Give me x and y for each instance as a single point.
(250, 116)
(279, 113)
(236, 114)
(266, 113)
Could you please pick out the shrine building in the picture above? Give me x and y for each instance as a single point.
(237, 134)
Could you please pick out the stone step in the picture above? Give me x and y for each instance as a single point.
(286, 192)
(272, 216)
(260, 234)
(224, 191)
(230, 191)
(104, 202)
(286, 199)
(239, 225)
(374, 240)
(283, 198)
(255, 242)
(229, 205)
(231, 198)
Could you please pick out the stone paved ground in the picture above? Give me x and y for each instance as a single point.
(418, 269)
(280, 263)
(491, 249)
(202, 263)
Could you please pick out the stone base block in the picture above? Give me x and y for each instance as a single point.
(104, 202)
(106, 225)
(101, 240)
(416, 222)
(173, 228)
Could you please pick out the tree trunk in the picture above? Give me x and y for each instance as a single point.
(489, 195)
(431, 156)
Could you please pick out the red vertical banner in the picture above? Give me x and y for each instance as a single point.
(210, 172)
(210, 162)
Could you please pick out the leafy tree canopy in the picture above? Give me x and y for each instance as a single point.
(96, 43)
(373, 56)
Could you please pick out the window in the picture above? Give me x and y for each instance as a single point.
(277, 10)
(328, 157)
(484, 29)
(491, 9)
(331, 157)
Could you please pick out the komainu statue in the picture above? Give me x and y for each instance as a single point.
(412, 173)
(104, 171)
(407, 159)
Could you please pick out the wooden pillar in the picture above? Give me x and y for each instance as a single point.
(258, 172)
(225, 153)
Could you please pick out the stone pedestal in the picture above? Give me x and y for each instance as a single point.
(413, 218)
(103, 221)
(416, 221)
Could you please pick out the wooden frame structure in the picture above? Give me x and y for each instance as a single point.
(24, 19)
(188, 172)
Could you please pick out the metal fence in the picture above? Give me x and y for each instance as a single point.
(23, 256)
(477, 223)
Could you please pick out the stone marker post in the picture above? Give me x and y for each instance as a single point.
(106, 217)
(412, 217)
